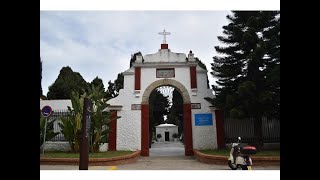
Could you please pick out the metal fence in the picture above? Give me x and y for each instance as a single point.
(56, 128)
(233, 128)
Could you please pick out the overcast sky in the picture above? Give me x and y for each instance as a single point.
(100, 43)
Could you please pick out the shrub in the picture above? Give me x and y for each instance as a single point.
(159, 136)
(49, 132)
(175, 135)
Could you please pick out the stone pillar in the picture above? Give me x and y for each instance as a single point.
(220, 129)
(187, 130)
(112, 145)
(144, 129)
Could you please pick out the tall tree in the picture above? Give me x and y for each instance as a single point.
(175, 115)
(158, 107)
(41, 92)
(96, 82)
(67, 82)
(249, 66)
(114, 87)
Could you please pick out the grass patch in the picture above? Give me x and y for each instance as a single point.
(107, 154)
(225, 152)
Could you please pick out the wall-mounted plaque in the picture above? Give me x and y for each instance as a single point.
(135, 106)
(203, 119)
(165, 73)
(195, 106)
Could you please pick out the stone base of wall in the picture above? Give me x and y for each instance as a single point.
(127, 159)
(104, 147)
(56, 146)
(64, 146)
(223, 160)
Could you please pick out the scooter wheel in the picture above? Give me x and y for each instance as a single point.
(232, 166)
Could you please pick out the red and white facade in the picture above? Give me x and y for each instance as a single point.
(130, 132)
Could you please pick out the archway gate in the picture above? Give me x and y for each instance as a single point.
(131, 131)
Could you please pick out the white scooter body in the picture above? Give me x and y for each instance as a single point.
(240, 160)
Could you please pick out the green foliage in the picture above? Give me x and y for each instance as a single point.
(158, 107)
(175, 135)
(248, 71)
(49, 132)
(97, 82)
(67, 82)
(176, 111)
(100, 120)
(71, 125)
(108, 154)
(226, 152)
(114, 87)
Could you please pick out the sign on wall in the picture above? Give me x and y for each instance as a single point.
(165, 73)
(135, 106)
(195, 106)
(203, 119)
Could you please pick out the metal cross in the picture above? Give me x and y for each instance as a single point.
(164, 33)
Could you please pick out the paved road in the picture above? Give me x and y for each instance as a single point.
(159, 149)
(163, 156)
(159, 163)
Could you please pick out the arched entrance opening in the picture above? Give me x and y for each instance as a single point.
(187, 126)
(166, 122)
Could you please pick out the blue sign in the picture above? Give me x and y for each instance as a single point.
(46, 111)
(203, 119)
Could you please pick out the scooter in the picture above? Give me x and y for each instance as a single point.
(239, 156)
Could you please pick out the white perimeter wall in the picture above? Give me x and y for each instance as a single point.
(56, 104)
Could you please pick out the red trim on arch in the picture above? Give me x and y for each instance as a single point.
(112, 145)
(144, 129)
(187, 130)
(193, 77)
(137, 78)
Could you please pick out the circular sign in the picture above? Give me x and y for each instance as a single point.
(46, 111)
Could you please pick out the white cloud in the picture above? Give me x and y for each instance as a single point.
(100, 43)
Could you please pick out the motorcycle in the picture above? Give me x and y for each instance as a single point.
(239, 156)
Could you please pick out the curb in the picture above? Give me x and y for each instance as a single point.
(127, 159)
(223, 160)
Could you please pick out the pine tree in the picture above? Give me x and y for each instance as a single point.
(249, 67)
(114, 87)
